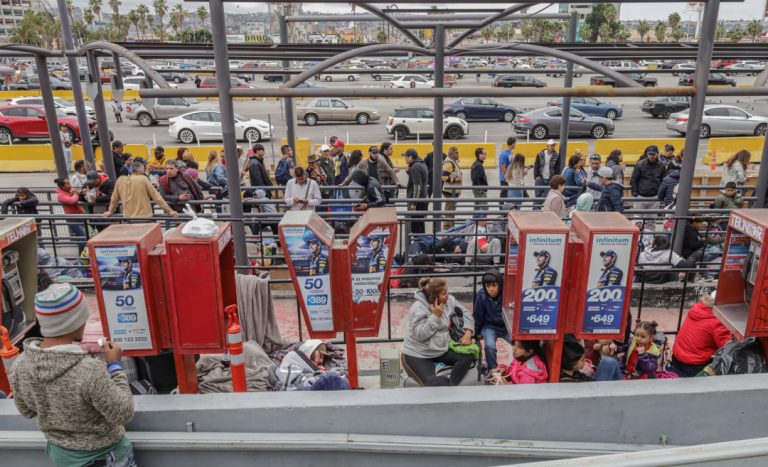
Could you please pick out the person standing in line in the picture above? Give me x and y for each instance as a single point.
(66, 145)
(417, 188)
(555, 201)
(611, 192)
(285, 167)
(515, 176)
(614, 162)
(451, 177)
(134, 191)
(428, 160)
(302, 193)
(328, 166)
(668, 157)
(117, 109)
(505, 159)
(177, 188)
(479, 178)
(547, 164)
(117, 155)
(341, 159)
(157, 164)
(592, 177)
(645, 182)
(386, 150)
(70, 200)
(575, 176)
(216, 173)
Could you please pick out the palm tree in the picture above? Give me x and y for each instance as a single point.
(114, 5)
(95, 6)
(28, 31)
(736, 35)
(610, 14)
(673, 20)
(526, 30)
(381, 36)
(487, 33)
(754, 29)
(720, 31)
(88, 18)
(161, 9)
(661, 31)
(605, 32)
(677, 33)
(585, 32)
(202, 15)
(181, 14)
(70, 9)
(643, 28)
(143, 11)
(134, 19)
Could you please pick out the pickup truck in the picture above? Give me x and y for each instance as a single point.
(165, 108)
(639, 78)
(666, 106)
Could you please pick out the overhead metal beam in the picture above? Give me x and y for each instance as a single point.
(440, 2)
(50, 118)
(406, 19)
(124, 52)
(391, 20)
(568, 83)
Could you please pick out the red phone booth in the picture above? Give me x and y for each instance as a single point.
(122, 276)
(602, 272)
(740, 302)
(307, 240)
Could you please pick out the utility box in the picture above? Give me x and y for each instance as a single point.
(741, 301)
(389, 369)
(307, 240)
(18, 247)
(121, 273)
(535, 264)
(602, 277)
(200, 275)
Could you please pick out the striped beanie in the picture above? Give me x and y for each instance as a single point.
(60, 309)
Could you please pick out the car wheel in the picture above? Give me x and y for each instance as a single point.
(350, 78)
(760, 130)
(145, 119)
(453, 132)
(177, 80)
(461, 115)
(376, 77)
(611, 115)
(329, 78)
(508, 116)
(400, 133)
(649, 85)
(599, 131)
(310, 119)
(705, 131)
(252, 135)
(539, 132)
(187, 136)
(5, 136)
(655, 115)
(666, 114)
(362, 119)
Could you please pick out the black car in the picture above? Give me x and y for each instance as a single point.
(274, 78)
(174, 77)
(714, 79)
(666, 106)
(639, 78)
(517, 81)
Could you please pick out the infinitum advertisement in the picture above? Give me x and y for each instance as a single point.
(542, 278)
(369, 264)
(309, 257)
(123, 292)
(607, 283)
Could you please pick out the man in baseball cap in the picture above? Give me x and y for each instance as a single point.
(611, 192)
(547, 164)
(610, 274)
(81, 403)
(545, 275)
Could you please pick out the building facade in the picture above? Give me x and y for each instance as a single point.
(11, 14)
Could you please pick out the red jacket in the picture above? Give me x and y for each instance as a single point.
(701, 334)
(70, 200)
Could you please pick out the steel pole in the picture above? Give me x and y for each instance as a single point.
(77, 90)
(691, 146)
(565, 120)
(101, 116)
(762, 177)
(228, 129)
(437, 141)
(50, 117)
(290, 122)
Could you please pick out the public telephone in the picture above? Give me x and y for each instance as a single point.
(12, 292)
(749, 273)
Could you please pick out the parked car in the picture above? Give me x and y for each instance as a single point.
(205, 125)
(516, 81)
(625, 65)
(210, 82)
(714, 79)
(105, 78)
(665, 106)
(165, 108)
(639, 78)
(274, 78)
(33, 82)
(134, 83)
(578, 71)
(338, 77)
(745, 65)
(721, 120)
(170, 76)
(543, 123)
(410, 121)
(335, 110)
(480, 108)
(684, 67)
(411, 80)
(61, 105)
(379, 75)
(29, 122)
(591, 106)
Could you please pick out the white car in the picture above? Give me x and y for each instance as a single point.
(412, 121)
(205, 125)
(134, 83)
(407, 81)
(61, 104)
(338, 77)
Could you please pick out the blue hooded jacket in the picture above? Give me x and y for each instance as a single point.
(667, 187)
(611, 198)
(487, 311)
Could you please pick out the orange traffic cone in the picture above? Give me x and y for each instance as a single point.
(235, 347)
(8, 351)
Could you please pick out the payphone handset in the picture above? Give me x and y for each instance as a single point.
(749, 273)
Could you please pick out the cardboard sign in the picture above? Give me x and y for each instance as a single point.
(607, 282)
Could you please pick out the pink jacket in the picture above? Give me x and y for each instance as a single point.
(70, 200)
(532, 371)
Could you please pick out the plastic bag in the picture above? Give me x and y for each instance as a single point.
(739, 358)
(198, 227)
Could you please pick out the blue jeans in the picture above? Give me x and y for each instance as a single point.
(77, 230)
(608, 370)
(489, 336)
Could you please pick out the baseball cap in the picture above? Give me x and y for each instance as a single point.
(652, 149)
(542, 253)
(91, 175)
(608, 253)
(339, 143)
(595, 157)
(550, 142)
(410, 153)
(324, 148)
(373, 149)
(117, 144)
(605, 172)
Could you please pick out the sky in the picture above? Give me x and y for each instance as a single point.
(748, 9)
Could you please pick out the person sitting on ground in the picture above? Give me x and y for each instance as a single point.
(730, 198)
(528, 365)
(700, 336)
(177, 188)
(478, 239)
(370, 193)
(694, 248)
(24, 202)
(427, 339)
(81, 404)
(654, 262)
(305, 367)
(555, 200)
(486, 312)
(640, 355)
(134, 192)
(572, 362)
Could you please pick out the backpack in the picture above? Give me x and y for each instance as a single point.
(282, 174)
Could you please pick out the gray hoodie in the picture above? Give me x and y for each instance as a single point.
(78, 404)
(428, 335)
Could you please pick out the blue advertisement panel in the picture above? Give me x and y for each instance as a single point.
(607, 283)
(542, 279)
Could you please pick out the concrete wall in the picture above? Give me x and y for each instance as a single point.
(683, 412)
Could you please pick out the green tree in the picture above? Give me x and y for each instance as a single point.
(643, 28)
(661, 31)
(190, 36)
(487, 33)
(673, 20)
(381, 36)
(754, 29)
(585, 32)
(622, 34)
(526, 30)
(161, 9)
(720, 31)
(605, 32)
(143, 11)
(202, 14)
(736, 35)
(677, 33)
(602, 13)
(135, 20)
(505, 33)
(95, 7)
(115, 6)
(38, 28)
(88, 19)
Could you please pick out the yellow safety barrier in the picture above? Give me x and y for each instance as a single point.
(724, 148)
(128, 95)
(632, 149)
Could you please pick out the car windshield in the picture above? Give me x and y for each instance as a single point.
(63, 102)
(240, 118)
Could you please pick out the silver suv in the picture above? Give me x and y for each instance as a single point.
(165, 108)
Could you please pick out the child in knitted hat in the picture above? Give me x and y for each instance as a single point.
(81, 405)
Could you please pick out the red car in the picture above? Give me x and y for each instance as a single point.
(28, 121)
(106, 78)
(212, 83)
